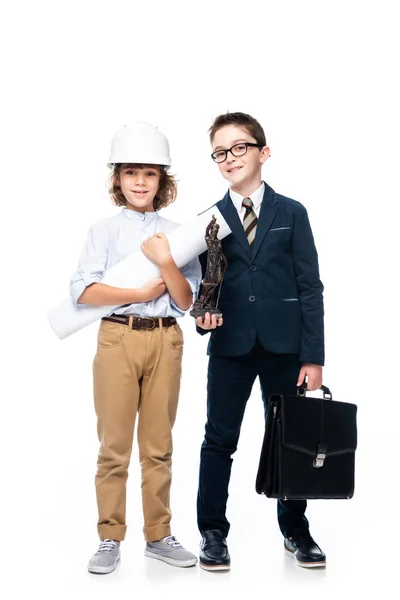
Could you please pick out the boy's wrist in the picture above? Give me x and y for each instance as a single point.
(166, 261)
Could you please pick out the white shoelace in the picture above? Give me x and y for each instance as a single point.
(171, 541)
(107, 546)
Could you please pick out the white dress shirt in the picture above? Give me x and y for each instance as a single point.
(256, 197)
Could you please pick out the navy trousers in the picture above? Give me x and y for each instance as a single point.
(230, 380)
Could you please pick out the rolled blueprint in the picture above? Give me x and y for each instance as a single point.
(186, 242)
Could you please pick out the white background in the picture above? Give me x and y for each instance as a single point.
(322, 79)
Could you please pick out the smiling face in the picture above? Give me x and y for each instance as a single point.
(242, 172)
(139, 186)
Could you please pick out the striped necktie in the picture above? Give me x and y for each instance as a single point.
(250, 220)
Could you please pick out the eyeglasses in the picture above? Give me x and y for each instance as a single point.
(237, 150)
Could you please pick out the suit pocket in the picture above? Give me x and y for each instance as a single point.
(277, 240)
(279, 229)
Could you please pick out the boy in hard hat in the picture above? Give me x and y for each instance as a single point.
(137, 367)
(272, 306)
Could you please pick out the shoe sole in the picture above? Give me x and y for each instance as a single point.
(214, 568)
(171, 561)
(103, 570)
(306, 565)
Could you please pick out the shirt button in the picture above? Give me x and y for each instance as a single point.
(253, 268)
(252, 298)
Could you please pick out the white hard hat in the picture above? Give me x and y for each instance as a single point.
(140, 142)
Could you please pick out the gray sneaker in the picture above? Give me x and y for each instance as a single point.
(170, 551)
(106, 558)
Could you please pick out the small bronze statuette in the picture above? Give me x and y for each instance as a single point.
(215, 269)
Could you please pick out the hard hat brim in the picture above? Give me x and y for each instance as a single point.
(163, 161)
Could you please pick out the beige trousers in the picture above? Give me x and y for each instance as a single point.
(135, 372)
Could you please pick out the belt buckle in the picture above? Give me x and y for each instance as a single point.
(154, 323)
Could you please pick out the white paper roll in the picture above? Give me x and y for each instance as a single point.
(186, 242)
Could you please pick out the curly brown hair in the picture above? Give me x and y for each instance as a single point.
(249, 123)
(167, 189)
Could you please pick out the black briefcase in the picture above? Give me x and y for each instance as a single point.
(309, 448)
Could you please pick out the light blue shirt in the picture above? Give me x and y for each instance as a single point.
(113, 239)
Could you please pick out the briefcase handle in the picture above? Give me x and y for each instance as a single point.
(301, 391)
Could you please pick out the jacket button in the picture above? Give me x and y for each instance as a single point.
(253, 268)
(252, 298)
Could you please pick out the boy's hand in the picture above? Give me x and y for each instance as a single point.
(313, 374)
(157, 249)
(152, 290)
(209, 322)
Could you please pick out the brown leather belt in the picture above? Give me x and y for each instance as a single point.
(141, 322)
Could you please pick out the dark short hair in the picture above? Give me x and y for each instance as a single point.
(249, 123)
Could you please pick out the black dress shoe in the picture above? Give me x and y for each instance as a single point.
(214, 555)
(303, 548)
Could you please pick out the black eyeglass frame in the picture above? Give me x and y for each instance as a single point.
(247, 144)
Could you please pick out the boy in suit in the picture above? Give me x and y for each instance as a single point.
(272, 305)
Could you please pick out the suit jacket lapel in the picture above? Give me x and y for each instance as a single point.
(269, 208)
(231, 216)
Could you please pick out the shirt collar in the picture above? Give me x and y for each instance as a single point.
(256, 197)
(135, 215)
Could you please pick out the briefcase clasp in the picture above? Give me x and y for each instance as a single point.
(321, 456)
(319, 460)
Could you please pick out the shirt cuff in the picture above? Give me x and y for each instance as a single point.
(81, 282)
(194, 286)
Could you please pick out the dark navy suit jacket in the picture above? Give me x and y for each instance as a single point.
(271, 290)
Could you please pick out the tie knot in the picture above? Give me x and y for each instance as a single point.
(247, 202)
